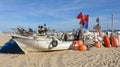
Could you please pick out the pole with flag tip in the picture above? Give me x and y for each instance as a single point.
(83, 24)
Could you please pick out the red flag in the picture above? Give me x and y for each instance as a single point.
(79, 16)
(84, 19)
(81, 22)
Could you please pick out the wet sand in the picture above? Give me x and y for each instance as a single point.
(95, 57)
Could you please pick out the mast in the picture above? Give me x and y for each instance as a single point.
(112, 22)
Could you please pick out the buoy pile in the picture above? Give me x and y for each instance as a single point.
(107, 42)
(80, 45)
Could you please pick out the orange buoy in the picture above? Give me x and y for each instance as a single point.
(82, 48)
(80, 43)
(114, 42)
(97, 44)
(106, 41)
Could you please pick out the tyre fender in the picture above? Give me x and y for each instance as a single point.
(54, 43)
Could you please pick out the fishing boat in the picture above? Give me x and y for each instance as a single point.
(41, 43)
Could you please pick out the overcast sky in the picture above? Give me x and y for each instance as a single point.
(57, 14)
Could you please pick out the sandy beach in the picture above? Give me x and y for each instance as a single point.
(95, 57)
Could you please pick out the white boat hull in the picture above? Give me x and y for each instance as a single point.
(41, 45)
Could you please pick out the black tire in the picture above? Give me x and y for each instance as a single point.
(54, 43)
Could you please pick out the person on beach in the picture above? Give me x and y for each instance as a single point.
(78, 35)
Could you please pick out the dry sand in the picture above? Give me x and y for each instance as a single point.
(95, 57)
(3, 39)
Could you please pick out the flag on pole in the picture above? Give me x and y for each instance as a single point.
(83, 20)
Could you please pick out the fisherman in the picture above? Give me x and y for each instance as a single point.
(78, 35)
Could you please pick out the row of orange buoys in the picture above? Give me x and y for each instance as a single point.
(110, 42)
(80, 45)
